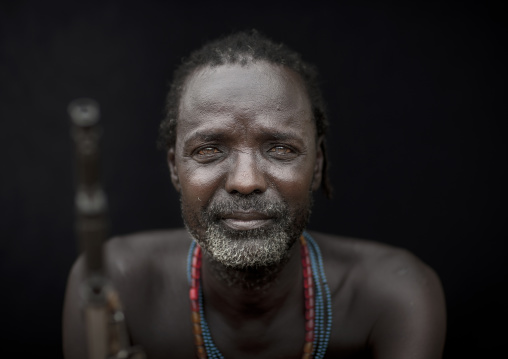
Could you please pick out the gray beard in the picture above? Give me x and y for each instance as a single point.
(250, 259)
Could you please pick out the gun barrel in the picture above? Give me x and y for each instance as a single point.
(91, 203)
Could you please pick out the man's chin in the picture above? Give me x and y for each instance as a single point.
(242, 249)
(249, 261)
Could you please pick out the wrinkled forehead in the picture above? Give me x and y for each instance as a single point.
(255, 89)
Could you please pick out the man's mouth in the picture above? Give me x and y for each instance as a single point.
(243, 221)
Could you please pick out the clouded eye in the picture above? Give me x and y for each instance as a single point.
(207, 151)
(207, 154)
(282, 152)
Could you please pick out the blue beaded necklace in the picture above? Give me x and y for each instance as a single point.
(322, 327)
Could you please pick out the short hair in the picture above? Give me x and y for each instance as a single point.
(243, 48)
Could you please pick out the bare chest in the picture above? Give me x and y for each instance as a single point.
(164, 329)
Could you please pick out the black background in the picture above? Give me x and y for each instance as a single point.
(416, 97)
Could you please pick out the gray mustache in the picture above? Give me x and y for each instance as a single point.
(218, 209)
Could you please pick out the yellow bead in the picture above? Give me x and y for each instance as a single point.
(195, 317)
(201, 351)
(196, 328)
(198, 340)
(307, 348)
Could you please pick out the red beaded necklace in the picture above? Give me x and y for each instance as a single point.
(308, 290)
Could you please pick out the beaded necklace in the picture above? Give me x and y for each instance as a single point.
(317, 329)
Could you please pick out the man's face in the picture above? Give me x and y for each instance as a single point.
(245, 161)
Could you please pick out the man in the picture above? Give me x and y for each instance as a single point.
(245, 133)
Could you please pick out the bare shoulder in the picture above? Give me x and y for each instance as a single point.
(375, 266)
(133, 254)
(148, 241)
(148, 245)
(157, 255)
(398, 298)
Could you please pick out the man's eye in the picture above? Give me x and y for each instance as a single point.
(280, 150)
(207, 151)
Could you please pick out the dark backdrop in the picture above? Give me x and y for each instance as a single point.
(416, 98)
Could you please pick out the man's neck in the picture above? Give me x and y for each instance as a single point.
(251, 291)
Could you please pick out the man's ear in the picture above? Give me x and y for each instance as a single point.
(173, 170)
(318, 166)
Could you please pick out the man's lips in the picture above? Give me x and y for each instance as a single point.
(245, 220)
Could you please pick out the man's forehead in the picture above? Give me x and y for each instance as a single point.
(254, 86)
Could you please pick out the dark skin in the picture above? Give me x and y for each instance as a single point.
(385, 302)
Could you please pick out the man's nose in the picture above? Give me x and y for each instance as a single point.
(245, 176)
